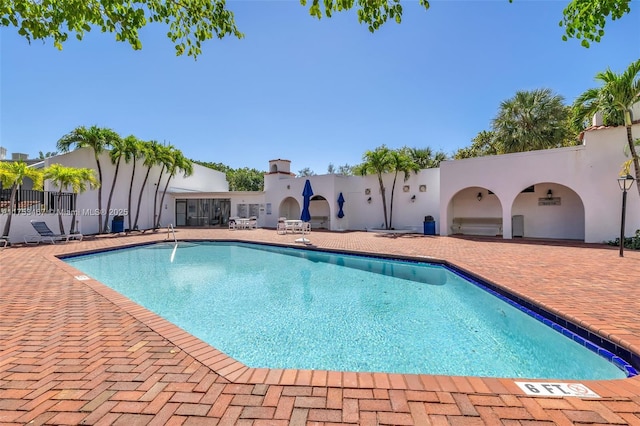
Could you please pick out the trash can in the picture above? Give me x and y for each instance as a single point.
(117, 224)
(429, 225)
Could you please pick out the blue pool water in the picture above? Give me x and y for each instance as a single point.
(274, 307)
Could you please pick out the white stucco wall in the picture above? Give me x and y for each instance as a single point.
(359, 214)
(583, 177)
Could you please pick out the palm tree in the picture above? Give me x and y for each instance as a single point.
(379, 162)
(165, 159)
(424, 157)
(131, 152)
(400, 162)
(149, 151)
(532, 120)
(116, 153)
(96, 138)
(12, 175)
(76, 178)
(614, 100)
(179, 163)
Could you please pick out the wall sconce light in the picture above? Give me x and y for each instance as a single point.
(413, 198)
(479, 196)
(288, 186)
(369, 200)
(549, 194)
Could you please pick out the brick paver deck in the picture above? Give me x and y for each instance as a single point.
(76, 352)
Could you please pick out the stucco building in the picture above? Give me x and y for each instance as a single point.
(565, 193)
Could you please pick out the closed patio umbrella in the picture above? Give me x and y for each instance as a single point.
(307, 193)
(340, 204)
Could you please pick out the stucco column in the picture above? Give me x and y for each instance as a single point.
(507, 232)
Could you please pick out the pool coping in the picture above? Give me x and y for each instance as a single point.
(237, 372)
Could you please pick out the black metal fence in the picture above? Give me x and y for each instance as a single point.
(31, 201)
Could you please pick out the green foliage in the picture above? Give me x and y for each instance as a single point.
(13, 174)
(614, 99)
(345, 170)
(632, 243)
(190, 22)
(374, 13)
(306, 172)
(44, 155)
(243, 179)
(70, 177)
(77, 179)
(215, 166)
(586, 19)
(483, 144)
(530, 120)
(424, 158)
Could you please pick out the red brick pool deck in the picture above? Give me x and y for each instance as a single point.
(75, 352)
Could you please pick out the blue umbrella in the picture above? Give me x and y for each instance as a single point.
(340, 204)
(307, 193)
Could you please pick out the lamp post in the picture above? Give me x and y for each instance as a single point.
(625, 183)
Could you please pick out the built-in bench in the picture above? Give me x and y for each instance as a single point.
(477, 225)
(318, 222)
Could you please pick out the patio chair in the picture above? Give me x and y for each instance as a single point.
(282, 226)
(46, 234)
(253, 223)
(232, 223)
(3, 242)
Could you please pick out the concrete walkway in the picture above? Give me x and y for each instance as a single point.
(75, 352)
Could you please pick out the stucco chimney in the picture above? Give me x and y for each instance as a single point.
(597, 119)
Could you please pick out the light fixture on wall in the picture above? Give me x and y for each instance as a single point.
(479, 196)
(549, 194)
(369, 200)
(413, 198)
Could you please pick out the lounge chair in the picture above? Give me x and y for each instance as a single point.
(46, 234)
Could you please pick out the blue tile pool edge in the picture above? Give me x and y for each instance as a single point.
(624, 359)
(604, 348)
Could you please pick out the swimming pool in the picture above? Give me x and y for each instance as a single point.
(275, 307)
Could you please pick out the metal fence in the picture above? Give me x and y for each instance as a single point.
(31, 201)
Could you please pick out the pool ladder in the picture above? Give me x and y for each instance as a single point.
(170, 229)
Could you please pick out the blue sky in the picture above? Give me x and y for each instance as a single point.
(314, 92)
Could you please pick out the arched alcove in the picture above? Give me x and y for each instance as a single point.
(550, 210)
(289, 208)
(475, 211)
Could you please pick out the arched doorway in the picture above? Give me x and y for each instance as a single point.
(550, 210)
(289, 208)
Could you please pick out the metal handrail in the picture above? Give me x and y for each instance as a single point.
(171, 229)
(175, 240)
